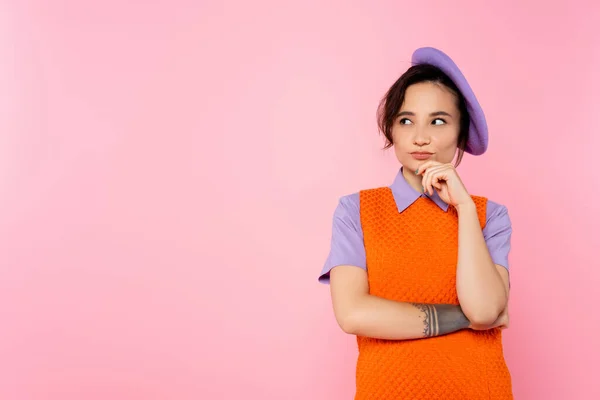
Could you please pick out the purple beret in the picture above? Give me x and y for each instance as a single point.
(478, 132)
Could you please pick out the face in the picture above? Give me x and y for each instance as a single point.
(426, 126)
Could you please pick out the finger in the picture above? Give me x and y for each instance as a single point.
(444, 175)
(440, 175)
(428, 177)
(505, 321)
(433, 176)
(436, 184)
(426, 165)
(422, 168)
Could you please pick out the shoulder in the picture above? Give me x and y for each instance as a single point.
(497, 232)
(496, 214)
(348, 203)
(496, 210)
(375, 195)
(493, 208)
(351, 202)
(347, 211)
(497, 219)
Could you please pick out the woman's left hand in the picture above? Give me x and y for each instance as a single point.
(444, 179)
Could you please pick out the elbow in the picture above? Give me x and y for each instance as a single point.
(352, 320)
(352, 315)
(348, 324)
(484, 312)
(482, 317)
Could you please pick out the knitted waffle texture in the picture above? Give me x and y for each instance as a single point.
(412, 257)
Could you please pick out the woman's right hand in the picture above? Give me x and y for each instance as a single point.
(501, 322)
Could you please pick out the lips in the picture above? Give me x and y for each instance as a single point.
(421, 155)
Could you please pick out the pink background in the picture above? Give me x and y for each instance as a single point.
(169, 169)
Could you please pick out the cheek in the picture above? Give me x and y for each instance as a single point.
(400, 139)
(446, 145)
(446, 141)
(401, 145)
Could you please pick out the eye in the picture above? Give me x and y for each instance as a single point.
(405, 121)
(438, 121)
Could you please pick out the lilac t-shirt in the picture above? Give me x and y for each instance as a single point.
(347, 245)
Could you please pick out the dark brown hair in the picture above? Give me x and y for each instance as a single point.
(394, 98)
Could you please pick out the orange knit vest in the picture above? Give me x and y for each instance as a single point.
(411, 257)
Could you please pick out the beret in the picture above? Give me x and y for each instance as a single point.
(478, 131)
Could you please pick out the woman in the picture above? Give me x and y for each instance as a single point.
(418, 271)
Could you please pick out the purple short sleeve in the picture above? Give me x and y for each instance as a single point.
(347, 244)
(497, 233)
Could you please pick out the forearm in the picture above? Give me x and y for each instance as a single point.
(479, 286)
(380, 318)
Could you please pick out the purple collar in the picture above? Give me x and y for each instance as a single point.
(405, 195)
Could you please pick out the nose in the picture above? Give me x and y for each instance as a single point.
(421, 137)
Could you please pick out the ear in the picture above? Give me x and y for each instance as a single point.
(458, 156)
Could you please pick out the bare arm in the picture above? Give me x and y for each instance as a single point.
(359, 313)
(481, 285)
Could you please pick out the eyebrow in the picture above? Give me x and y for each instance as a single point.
(433, 114)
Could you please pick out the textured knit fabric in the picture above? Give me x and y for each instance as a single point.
(412, 257)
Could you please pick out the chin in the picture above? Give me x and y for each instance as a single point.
(412, 164)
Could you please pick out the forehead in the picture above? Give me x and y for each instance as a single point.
(428, 96)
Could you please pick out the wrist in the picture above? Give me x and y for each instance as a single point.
(450, 318)
(467, 206)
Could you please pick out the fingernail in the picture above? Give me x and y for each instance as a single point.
(416, 171)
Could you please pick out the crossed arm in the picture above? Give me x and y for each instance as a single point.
(482, 289)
